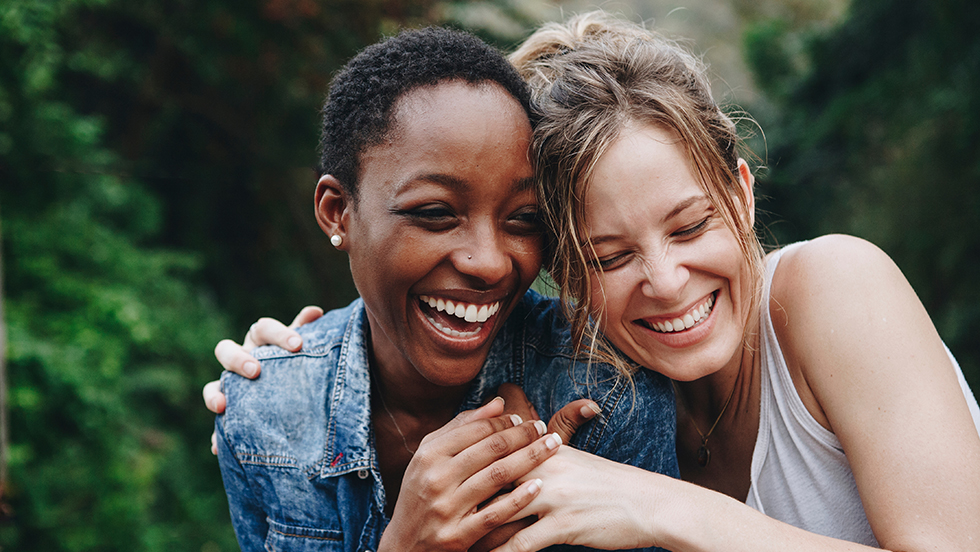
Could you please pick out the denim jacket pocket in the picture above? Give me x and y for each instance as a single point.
(294, 538)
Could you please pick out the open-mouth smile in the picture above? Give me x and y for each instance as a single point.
(692, 318)
(457, 319)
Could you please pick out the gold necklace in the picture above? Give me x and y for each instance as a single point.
(704, 455)
(392, 417)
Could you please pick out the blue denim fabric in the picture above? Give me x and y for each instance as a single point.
(296, 446)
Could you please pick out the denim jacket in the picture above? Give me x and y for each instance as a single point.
(296, 445)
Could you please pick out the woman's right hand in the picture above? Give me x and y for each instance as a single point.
(236, 358)
(443, 501)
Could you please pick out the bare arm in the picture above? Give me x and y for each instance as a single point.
(870, 366)
(874, 371)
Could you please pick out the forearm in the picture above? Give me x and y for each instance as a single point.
(690, 518)
(590, 501)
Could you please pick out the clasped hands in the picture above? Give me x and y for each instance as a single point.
(469, 480)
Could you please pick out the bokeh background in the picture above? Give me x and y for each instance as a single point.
(156, 190)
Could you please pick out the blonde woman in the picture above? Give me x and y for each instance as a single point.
(811, 383)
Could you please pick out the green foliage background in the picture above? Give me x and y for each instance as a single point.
(155, 184)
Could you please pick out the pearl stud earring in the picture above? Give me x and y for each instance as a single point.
(336, 240)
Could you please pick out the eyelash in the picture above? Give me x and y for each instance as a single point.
(437, 217)
(692, 230)
(608, 264)
(611, 263)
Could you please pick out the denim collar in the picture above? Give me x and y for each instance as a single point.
(350, 437)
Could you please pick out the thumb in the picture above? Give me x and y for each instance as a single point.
(566, 421)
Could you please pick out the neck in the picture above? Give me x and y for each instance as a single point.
(723, 395)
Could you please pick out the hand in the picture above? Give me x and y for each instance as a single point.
(459, 467)
(565, 422)
(590, 501)
(235, 357)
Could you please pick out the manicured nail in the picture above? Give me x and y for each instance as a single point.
(552, 441)
(540, 426)
(590, 410)
(534, 486)
(294, 342)
(516, 420)
(250, 368)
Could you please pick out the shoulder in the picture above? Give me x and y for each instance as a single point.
(290, 395)
(638, 421)
(831, 260)
(834, 275)
(538, 321)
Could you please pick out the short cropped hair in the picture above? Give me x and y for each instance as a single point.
(359, 111)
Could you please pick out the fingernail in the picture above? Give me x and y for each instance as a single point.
(294, 342)
(212, 404)
(540, 426)
(534, 486)
(552, 441)
(501, 399)
(590, 410)
(250, 368)
(516, 420)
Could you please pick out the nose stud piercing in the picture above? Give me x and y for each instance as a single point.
(469, 256)
(336, 240)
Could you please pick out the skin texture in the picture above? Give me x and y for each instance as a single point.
(854, 335)
(862, 351)
(660, 259)
(445, 209)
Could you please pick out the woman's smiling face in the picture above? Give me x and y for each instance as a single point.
(675, 290)
(444, 238)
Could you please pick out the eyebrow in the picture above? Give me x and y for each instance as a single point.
(680, 208)
(454, 183)
(684, 205)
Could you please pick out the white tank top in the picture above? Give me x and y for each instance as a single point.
(799, 472)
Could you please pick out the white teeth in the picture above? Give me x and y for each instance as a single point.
(688, 320)
(469, 313)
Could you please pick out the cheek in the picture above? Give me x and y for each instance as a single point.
(527, 255)
(608, 301)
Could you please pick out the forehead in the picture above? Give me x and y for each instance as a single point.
(455, 104)
(644, 174)
(453, 133)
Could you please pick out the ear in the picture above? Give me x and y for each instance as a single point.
(332, 208)
(747, 180)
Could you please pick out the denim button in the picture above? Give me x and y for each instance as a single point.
(363, 474)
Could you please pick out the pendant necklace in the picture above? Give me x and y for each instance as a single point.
(704, 455)
(392, 417)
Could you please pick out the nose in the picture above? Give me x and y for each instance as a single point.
(483, 255)
(664, 277)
